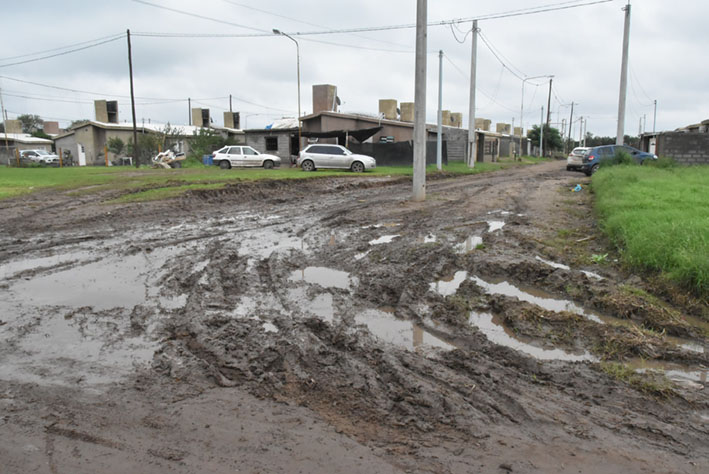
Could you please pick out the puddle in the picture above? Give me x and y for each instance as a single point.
(675, 372)
(57, 353)
(401, 333)
(360, 256)
(498, 334)
(385, 239)
(426, 239)
(449, 285)
(537, 297)
(469, 244)
(325, 277)
(321, 306)
(553, 264)
(264, 243)
(379, 226)
(500, 211)
(39, 264)
(592, 275)
(269, 327)
(492, 226)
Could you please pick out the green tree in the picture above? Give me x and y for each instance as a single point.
(31, 123)
(207, 141)
(552, 138)
(115, 145)
(74, 123)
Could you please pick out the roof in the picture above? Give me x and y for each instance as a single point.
(181, 130)
(25, 138)
(284, 123)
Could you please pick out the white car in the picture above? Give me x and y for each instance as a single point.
(40, 156)
(574, 161)
(314, 156)
(239, 155)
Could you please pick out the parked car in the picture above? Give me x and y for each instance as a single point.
(40, 156)
(239, 155)
(574, 161)
(594, 157)
(317, 156)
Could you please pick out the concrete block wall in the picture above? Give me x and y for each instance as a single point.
(388, 108)
(685, 148)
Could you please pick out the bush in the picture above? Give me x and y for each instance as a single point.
(663, 162)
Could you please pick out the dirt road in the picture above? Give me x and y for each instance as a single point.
(332, 325)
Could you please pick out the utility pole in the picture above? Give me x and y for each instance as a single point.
(541, 134)
(549, 103)
(419, 181)
(654, 117)
(571, 123)
(7, 144)
(439, 138)
(620, 135)
(189, 111)
(472, 142)
(132, 102)
(230, 111)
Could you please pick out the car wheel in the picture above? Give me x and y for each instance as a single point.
(357, 167)
(308, 165)
(268, 164)
(569, 168)
(593, 169)
(224, 164)
(176, 164)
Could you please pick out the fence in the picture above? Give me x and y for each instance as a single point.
(397, 154)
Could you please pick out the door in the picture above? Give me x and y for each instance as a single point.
(250, 156)
(81, 154)
(234, 156)
(338, 158)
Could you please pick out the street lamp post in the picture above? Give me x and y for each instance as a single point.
(297, 54)
(521, 110)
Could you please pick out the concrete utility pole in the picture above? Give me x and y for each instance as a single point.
(654, 116)
(541, 135)
(549, 103)
(620, 135)
(419, 183)
(189, 111)
(230, 110)
(571, 121)
(472, 142)
(276, 31)
(439, 138)
(132, 102)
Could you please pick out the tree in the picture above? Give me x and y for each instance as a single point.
(115, 145)
(207, 141)
(31, 123)
(552, 138)
(78, 122)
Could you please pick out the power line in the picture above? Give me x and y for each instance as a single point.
(467, 77)
(203, 17)
(122, 35)
(36, 53)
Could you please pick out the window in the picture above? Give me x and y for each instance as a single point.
(318, 149)
(235, 150)
(247, 150)
(335, 150)
(271, 143)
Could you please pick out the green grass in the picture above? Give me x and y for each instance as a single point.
(659, 218)
(656, 386)
(87, 180)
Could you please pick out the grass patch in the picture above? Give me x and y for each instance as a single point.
(86, 180)
(659, 218)
(657, 385)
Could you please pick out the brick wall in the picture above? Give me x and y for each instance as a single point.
(685, 148)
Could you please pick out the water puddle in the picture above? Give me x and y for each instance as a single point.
(56, 352)
(264, 243)
(401, 333)
(379, 226)
(553, 264)
(385, 239)
(10, 269)
(325, 277)
(426, 239)
(676, 372)
(595, 276)
(535, 296)
(469, 244)
(498, 334)
(321, 306)
(449, 285)
(360, 256)
(492, 226)
(269, 327)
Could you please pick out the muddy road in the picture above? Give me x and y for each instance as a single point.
(331, 325)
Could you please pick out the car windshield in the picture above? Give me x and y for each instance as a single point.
(42, 152)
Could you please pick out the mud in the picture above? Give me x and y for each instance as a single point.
(332, 325)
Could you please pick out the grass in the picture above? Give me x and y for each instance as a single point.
(657, 385)
(659, 218)
(165, 183)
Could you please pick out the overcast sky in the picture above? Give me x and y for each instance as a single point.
(580, 46)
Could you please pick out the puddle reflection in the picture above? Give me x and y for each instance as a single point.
(402, 333)
(325, 277)
(497, 333)
(385, 239)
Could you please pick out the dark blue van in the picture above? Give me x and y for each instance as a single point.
(593, 158)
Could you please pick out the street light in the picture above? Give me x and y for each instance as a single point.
(521, 110)
(276, 31)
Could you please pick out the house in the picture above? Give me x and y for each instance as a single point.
(687, 145)
(12, 142)
(279, 138)
(86, 141)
